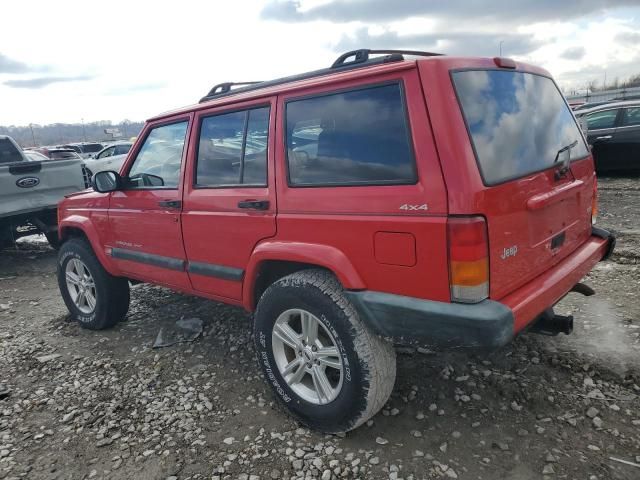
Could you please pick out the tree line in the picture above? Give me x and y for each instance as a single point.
(60, 133)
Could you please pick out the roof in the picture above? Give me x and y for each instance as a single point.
(608, 106)
(362, 66)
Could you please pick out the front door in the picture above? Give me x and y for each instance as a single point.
(229, 201)
(144, 217)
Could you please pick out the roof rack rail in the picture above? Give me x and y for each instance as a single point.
(362, 55)
(361, 59)
(225, 87)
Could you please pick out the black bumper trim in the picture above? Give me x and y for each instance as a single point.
(607, 235)
(217, 271)
(413, 321)
(149, 259)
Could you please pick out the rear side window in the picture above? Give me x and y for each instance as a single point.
(8, 152)
(631, 117)
(518, 122)
(233, 149)
(359, 137)
(121, 149)
(600, 120)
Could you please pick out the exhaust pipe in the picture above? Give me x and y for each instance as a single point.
(551, 324)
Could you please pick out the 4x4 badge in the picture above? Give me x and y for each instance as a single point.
(408, 206)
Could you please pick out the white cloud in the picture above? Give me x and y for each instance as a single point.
(146, 57)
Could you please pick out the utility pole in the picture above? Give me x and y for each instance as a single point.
(84, 134)
(500, 48)
(33, 137)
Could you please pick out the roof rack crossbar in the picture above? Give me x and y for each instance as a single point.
(362, 59)
(226, 87)
(362, 55)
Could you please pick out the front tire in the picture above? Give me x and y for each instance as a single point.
(322, 362)
(94, 298)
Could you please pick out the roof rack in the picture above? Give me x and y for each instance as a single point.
(361, 59)
(225, 87)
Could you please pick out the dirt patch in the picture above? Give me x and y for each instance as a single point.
(86, 404)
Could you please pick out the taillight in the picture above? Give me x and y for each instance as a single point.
(594, 202)
(468, 259)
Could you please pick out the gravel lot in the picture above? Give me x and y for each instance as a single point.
(78, 404)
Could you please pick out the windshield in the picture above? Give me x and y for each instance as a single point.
(517, 121)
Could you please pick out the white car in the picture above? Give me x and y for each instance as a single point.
(109, 158)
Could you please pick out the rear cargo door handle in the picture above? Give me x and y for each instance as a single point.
(254, 204)
(604, 137)
(543, 200)
(170, 203)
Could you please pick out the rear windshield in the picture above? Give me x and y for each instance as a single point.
(517, 121)
(8, 152)
(62, 154)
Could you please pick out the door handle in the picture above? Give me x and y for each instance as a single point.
(254, 204)
(170, 203)
(605, 137)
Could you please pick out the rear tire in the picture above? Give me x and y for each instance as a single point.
(356, 381)
(94, 298)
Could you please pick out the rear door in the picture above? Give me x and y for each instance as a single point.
(521, 131)
(626, 140)
(145, 238)
(230, 200)
(601, 129)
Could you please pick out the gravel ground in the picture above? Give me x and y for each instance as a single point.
(78, 404)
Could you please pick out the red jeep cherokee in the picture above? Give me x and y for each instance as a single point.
(434, 200)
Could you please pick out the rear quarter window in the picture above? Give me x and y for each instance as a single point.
(358, 137)
(517, 122)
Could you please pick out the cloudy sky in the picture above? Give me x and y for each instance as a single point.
(64, 60)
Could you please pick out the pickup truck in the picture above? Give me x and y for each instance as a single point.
(30, 192)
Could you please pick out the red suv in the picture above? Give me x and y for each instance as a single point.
(434, 200)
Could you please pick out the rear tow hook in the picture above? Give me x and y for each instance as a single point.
(548, 323)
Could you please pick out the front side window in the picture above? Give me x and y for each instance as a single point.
(517, 121)
(631, 117)
(600, 120)
(106, 153)
(158, 161)
(359, 137)
(233, 149)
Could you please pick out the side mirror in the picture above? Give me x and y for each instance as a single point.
(107, 181)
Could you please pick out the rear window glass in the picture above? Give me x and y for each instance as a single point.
(518, 122)
(8, 152)
(92, 147)
(61, 154)
(631, 116)
(358, 137)
(233, 149)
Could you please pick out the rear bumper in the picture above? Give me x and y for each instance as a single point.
(488, 324)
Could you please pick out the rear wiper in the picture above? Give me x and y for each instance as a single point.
(565, 164)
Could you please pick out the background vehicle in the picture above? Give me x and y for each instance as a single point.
(31, 190)
(614, 131)
(34, 156)
(110, 158)
(373, 202)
